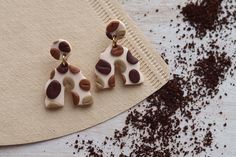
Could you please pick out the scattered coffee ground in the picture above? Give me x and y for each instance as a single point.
(167, 124)
(211, 70)
(204, 15)
(207, 141)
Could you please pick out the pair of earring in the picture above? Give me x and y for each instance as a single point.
(67, 76)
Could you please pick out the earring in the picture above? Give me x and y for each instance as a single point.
(68, 77)
(117, 57)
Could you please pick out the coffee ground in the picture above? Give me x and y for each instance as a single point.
(204, 15)
(211, 70)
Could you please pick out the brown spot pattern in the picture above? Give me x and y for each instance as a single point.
(88, 100)
(53, 89)
(73, 69)
(117, 51)
(112, 26)
(55, 53)
(75, 97)
(84, 84)
(103, 67)
(68, 83)
(123, 78)
(120, 34)
(109, 35)
(55, 42)
(64, 47)
(131, 59)
(111, 81)
(99, 82)
(52, 74)
(134, 76)
(120, 65)
(62, 68)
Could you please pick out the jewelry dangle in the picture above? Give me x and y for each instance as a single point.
(68, 77)
(117, 57)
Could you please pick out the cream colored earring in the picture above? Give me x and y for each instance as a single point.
(117, 57)
(66, 76)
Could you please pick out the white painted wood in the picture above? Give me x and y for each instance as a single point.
(159, 24)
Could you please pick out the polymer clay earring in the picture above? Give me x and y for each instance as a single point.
(66, 76)
(117, 57)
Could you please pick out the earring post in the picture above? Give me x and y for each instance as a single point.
(64, 59)
(114, 41)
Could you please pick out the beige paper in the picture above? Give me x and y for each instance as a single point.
(27, 30)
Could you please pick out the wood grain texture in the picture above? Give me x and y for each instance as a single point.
(159, 24)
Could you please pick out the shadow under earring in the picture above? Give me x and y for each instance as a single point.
(66, 76)
(117, 57)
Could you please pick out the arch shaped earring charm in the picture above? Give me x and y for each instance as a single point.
(117, 56)
(66, 77)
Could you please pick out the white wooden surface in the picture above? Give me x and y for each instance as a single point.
(159, 24)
